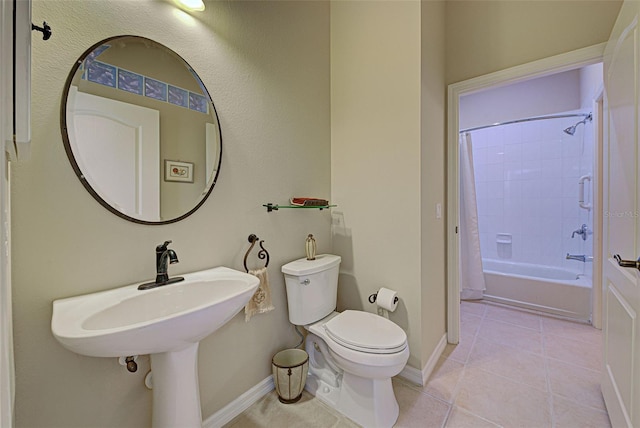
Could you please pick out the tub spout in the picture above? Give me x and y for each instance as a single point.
(579, 257)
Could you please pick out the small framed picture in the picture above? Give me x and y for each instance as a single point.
(178, 171)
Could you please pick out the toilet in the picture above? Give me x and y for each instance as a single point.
(353, 354)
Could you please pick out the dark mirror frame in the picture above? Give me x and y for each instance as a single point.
(74, 163)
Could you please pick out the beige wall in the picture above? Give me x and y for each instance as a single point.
(432, 177)
(375, 155)
(487, 36)
(387, 150)
(266, 65)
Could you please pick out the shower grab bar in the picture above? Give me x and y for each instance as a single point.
(581, 192)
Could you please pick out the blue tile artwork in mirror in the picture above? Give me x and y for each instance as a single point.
(178, 96)
(102, 73)
(130, 82)
(115, 77)
(198, 103)
(155, 89)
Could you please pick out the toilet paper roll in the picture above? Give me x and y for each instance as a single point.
(387, 299)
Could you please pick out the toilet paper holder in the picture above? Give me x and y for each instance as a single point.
(373, 297)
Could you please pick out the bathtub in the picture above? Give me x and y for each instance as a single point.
(542, 288)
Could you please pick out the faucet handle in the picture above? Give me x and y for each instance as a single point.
(163, 247)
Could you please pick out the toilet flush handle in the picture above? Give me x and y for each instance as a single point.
(305, 282)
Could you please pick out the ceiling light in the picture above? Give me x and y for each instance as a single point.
(195, 5)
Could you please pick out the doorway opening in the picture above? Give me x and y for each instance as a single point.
(527, 158)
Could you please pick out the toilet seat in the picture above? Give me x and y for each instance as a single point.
(366, 332)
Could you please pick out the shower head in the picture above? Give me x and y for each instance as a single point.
(572, 129)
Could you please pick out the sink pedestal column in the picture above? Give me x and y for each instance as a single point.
(176, 394)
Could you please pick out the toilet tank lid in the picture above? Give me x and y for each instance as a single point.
(307, 267)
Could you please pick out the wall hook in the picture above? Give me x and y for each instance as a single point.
(45, 30)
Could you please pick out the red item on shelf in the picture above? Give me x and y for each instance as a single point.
(309, 202)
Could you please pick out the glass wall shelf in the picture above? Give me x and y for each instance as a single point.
(275, 207)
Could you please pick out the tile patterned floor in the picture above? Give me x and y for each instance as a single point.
(511, 369)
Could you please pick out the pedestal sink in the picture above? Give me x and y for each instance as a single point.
(166, 322)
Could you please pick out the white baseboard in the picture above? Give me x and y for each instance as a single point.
(412, 375)
(420, 377)
(239, 405)
(433, 359)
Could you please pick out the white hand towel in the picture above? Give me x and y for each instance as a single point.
(261, 300)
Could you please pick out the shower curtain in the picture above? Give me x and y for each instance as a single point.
(472, 284)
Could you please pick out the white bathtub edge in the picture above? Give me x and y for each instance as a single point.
(538, 308)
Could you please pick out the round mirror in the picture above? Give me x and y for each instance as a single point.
(140, 130)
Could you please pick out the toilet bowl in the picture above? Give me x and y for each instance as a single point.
(353, 354)
(363, 391)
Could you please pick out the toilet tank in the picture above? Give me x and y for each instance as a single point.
(312, 288)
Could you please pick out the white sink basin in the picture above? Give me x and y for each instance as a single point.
(127, 321)
(167, 322)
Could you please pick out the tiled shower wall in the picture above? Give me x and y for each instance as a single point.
(527, 187)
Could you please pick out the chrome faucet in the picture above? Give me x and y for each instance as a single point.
(579, 257)
(582, 231)
(164, 257)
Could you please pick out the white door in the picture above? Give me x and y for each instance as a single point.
(621, 285)
(117, 147)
